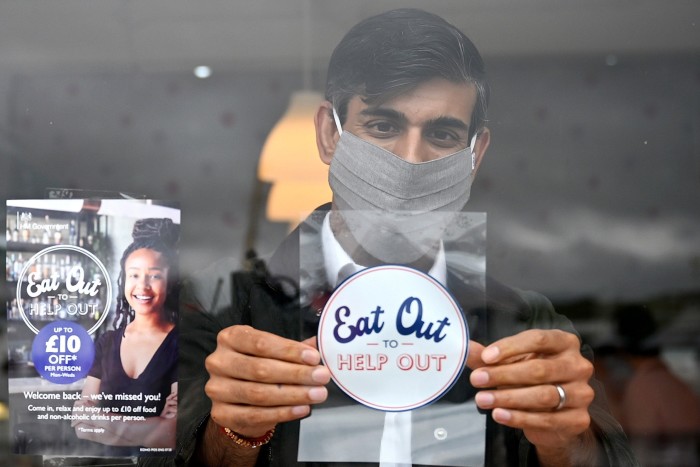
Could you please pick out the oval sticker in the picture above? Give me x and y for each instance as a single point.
(393, 338)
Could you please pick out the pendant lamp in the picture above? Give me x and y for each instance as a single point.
(289, 158)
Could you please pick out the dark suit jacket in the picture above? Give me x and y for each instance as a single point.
(266, 299)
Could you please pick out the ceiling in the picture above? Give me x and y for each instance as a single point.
(174, 35)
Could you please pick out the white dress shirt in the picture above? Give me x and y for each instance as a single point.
(358, 425)
(395, 447)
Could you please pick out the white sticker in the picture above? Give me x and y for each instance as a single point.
(393, 338)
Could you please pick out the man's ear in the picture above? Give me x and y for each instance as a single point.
(326, 133)
(482, 144)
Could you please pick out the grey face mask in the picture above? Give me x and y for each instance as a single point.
(364, 176)
(395, 209)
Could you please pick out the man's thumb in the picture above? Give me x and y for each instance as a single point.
(474, 356)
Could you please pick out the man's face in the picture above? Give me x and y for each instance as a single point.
(426, 123)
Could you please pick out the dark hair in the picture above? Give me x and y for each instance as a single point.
(159, 235)
(389, 54)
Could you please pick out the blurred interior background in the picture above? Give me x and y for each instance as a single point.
(591, 184)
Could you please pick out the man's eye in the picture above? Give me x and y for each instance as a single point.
(447, 139)
(442, 135)
(381, 127)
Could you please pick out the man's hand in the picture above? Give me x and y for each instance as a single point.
(258, 380)
(521, 373)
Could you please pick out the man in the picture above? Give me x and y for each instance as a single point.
(402, 84)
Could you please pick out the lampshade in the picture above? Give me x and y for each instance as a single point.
(290, 201)
(290, 152)
(290, 161)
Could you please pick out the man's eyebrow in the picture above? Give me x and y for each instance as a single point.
(448, 122)
(445, 121)
(384, 112)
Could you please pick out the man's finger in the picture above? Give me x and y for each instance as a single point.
(249, 341)
(532, 341)
(311, 342)
(565, 422)
(264, 395)
(474, 356)
(265, 370)
(544, 398)
(532, 372)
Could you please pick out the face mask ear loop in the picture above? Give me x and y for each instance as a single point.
(472, 147)
(337, 122)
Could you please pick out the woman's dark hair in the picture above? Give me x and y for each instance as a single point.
(391, 53)
(159, 235)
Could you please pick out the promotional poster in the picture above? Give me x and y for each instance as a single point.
(92, 326)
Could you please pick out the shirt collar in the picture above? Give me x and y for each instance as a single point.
(335, 258)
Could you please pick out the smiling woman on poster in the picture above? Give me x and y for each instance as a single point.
(132, 386)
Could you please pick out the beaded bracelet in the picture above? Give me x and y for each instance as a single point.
(248, 442)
